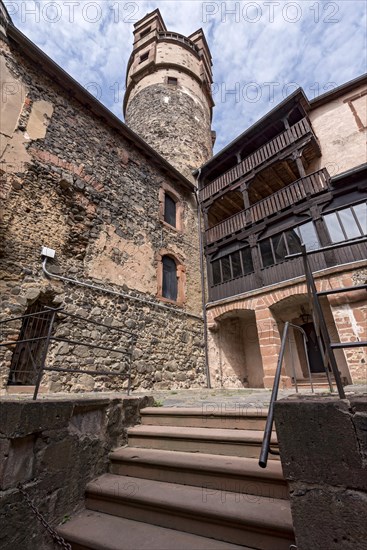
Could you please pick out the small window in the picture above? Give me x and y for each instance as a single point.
(169, 210)
(145, 32)
(360, 211)
(226, 269)
(308, 235)
(144, 57)
(275, 249)
(172, 81)
(169, 283)
(236, 265)
(231, 266)
(217, 276)
(266, 253)
(248, 266)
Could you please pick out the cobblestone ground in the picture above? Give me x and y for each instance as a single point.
(211, 399)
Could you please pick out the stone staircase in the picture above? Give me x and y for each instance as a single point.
(188, 480)
(319, 382)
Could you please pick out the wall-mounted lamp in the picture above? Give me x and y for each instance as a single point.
(306, 317)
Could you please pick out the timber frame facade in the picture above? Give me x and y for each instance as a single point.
(296, 177)
(269, 191)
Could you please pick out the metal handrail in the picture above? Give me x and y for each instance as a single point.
(326, 347)
(265, 447)
(51, 313)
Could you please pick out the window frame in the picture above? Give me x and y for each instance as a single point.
(341, 223)
(283, 235)
(181, 277)
(173, 84)
(144, 57)
(229, 256)
(172, 193)
(165, 213)
(145, 32)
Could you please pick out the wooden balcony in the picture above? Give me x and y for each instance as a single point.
(280, 200)
(296, 132)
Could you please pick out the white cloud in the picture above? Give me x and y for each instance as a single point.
(257, 44)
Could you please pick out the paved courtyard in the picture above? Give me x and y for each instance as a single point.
(215, 399)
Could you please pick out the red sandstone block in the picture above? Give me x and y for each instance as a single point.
(272, 352)
(263, 314)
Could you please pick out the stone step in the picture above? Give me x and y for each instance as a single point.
(209, 416)
(258, 522)
(214, 472)
(246, 443)
(316, 385)
(96, 531)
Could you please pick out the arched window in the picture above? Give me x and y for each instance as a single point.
(169, 282)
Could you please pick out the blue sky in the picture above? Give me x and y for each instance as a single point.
(262, 50)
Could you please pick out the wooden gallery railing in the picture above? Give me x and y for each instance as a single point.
(284, 198)
(269, 150)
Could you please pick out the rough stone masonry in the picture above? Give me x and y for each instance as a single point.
(75, 179)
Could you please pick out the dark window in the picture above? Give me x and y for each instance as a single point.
(145, 32)
(294, 242)
(348, 223)
(248, 266)
(280, 247)
(266, 253)
(172, 80)
(226, 269)
(217, 277)
(169, 210)
(275, 249)
(232, 266)
(169, 286)
(144, 57)
(236, 264)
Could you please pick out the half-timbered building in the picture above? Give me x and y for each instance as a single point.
(296, 177)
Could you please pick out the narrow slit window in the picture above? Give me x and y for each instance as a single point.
(172, 80)
(170, 210)
(217, 276)
(170, 284)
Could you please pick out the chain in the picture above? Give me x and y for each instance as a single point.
(57, 538)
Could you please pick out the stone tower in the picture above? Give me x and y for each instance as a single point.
(168, 99)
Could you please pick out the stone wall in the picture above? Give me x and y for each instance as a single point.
(174, 121)
(75, 183)
(323, 450)
(341, 127)
(53, 448)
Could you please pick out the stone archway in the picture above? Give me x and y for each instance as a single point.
(295, 309)
(234, 351)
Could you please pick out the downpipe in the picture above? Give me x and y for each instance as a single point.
(203, 297)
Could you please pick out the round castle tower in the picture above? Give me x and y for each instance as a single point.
(168, 99)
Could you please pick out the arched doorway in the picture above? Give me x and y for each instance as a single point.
(295, 309)
(234, 351)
